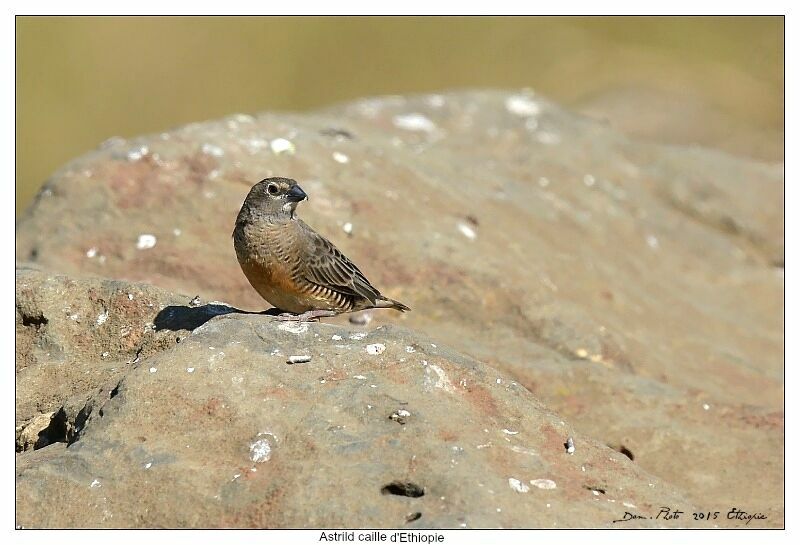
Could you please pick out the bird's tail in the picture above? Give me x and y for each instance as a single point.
(385, 302)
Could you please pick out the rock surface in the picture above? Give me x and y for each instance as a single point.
(236, 437)
(73, 335)
(635, 289)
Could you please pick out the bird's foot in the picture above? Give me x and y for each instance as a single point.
(307, 316)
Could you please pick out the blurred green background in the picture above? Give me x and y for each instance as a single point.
(711, 81)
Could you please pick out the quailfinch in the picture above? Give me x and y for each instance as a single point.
(292, 266)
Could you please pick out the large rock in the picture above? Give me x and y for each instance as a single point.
(382, 428)
(636, 289)
(73, 335)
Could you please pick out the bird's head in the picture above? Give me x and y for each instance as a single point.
(275, 197)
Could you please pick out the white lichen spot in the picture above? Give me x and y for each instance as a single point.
(359, 377)
(336, 338)
(629, 505)
(260, 450)
(706, 406)
(153, 369)
(652, 241)
(442, 381)
(410, 349)
(543, 182)
(214, 151)
(517, 485)
(104, 354)
(509, 432)
(414, 122)
(91, 252)
(548, 138)
(137, 153)
(282, 145)
(298, 328)
(348, 228)
(177, 232)
(375, 349)
(523, 450)
(130, 296)
(588, 180)
(148, 465)
(467, 231)
(340, 157)
(435, 101)
(357, 336)
(190, 369)
(95, 484)
(255, 145)
(102, 317)
(544, 484)
(145, 242)
(581, 353)
(522, 105)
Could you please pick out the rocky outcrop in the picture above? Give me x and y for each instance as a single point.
(634, 289)
(74, 335)
(234, 436)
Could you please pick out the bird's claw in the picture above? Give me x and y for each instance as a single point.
(308, 316)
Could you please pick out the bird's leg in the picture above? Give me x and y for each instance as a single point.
(307, 316)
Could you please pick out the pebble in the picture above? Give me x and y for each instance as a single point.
(414, 122)
(518, 485)
(298, 359)
(360, 318)
(400, 416)
(145, 242)
(282, 145)
(467, 231)
(340, 157)
(522, 105)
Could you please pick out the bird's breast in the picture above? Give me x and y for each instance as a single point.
(271, 257)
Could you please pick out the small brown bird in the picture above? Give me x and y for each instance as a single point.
(292, 266)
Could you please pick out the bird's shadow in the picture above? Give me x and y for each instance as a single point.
(177, 317)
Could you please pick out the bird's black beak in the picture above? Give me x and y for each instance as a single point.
(295, 194)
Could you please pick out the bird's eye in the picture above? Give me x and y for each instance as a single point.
(272, 189)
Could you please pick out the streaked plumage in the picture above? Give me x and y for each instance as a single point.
(289, 264)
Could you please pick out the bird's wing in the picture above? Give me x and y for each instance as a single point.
(326, 266)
